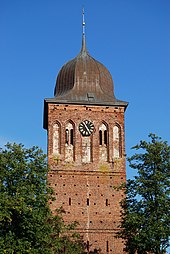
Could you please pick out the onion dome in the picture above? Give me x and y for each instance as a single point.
(84, 79)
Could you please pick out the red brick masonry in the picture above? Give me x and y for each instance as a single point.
(85, 190)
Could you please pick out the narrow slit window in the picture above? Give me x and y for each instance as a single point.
(88, 245)
(105, 137)
(106, 202)
(100, 137)
(87, 201)
(69, 201)
(71, 136)
(107, 246)
(67, 136)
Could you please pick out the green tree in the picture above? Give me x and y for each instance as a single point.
(145, 224)
(26, 221)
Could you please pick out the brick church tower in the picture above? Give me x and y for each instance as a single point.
(86, 149)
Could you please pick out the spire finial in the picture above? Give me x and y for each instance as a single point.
(83, 32)
(83, 21)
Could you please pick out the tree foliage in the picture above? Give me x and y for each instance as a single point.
(145, 224)
(26, 222)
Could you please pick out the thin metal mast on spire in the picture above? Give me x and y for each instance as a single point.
(83, 32)
(83, 22)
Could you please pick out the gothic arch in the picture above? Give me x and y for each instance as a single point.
(117, 142)
(69, 140)
(56, 130)
(103, 141)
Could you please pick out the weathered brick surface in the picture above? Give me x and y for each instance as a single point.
(85, 190)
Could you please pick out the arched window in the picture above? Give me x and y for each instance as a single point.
(103, 142)
(69, 142)
(56, 139)
(69, 134)
(103, 133)
(116, 141)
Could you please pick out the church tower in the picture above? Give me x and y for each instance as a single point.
(86, 149)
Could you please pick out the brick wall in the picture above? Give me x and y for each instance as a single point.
(85, 190)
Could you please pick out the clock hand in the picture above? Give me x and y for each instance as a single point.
(86, 128)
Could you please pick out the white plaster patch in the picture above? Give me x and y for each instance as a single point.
(56, 140)
(86, 149)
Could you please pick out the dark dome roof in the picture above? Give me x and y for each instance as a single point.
(84, 79)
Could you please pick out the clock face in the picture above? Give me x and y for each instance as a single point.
(86, 128)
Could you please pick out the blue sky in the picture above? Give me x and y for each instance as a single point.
(131, 38)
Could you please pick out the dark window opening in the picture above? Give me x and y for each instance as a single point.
(106, 202)
(107, 246)
(71, 136)
(69, 201)
(88, 246)
(100, 137)
(87, 201)
(105, 137)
